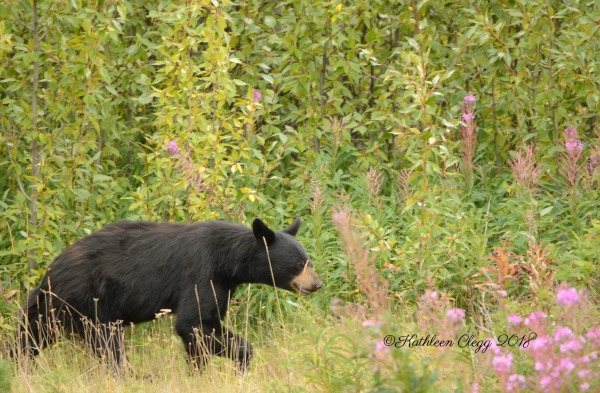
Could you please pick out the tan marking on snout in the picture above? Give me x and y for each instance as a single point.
(307, 281)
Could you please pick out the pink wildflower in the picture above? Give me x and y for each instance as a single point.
(515, 383)
(566, 296)
(571, 134)
(585, 360)
(535, 318)
(455, 315)
(256, 95)
(494, 347)
(470, 99)
(570, 163)
(468, 117)
(566, 365)
(468, 131)
(545, 381)
(515, 320)
(430, 295)
(172, 147)
(593, 335)
(525, 169)
(381, 347)
(502, 364)
(562, 333)
(540, 343)
(371, 322)
(574, 146)
(573, 345)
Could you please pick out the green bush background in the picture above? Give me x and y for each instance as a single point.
(91, 92)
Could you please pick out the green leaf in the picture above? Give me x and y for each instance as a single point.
(546, 210)
(267, 78)
(270, 21)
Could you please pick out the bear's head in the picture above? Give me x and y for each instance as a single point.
(283, 260)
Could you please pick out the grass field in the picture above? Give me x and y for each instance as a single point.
(311, 349)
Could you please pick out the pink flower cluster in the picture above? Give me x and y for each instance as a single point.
(185, 164)
(573, 166)
(371, 323)
(502, 363)
(256, 95)
(430, 305)
(536, 320)
(567, 296)
(562, 359)
(570, 163)
(172, 147)
(468, 117)
(503, 368)
(434, 315)
(515, 383)
(572, 142)
(455, 315)
(470, 99)
(468, 107)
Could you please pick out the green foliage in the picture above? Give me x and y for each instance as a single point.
(348, 361)
(5, 375)
(284, 109)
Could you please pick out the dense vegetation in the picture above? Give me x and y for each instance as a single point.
(460, 140)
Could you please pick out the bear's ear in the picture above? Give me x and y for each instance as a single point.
(261, 230)
(293, 229)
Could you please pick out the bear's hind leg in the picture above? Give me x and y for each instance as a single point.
(37, 328)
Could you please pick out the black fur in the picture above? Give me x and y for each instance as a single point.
(128, 271)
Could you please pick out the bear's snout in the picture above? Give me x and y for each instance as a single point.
(306, 282)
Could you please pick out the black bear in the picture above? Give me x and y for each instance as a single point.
(128, 272)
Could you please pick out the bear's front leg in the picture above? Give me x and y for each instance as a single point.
(208, 339)
(228, 345)
(198, 323)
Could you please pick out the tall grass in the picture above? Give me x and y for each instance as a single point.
(156, 360)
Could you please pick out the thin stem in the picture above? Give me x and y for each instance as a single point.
(35, 150)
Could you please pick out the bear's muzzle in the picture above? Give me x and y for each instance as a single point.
(307, 281)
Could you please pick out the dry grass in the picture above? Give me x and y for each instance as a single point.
(312, 352)
(157, 364)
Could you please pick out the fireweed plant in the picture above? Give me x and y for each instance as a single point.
(571, 160)
(370, 362)
(469, 134)
(564, 356)
(527, 172)
(186, 166)
(575, 167)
